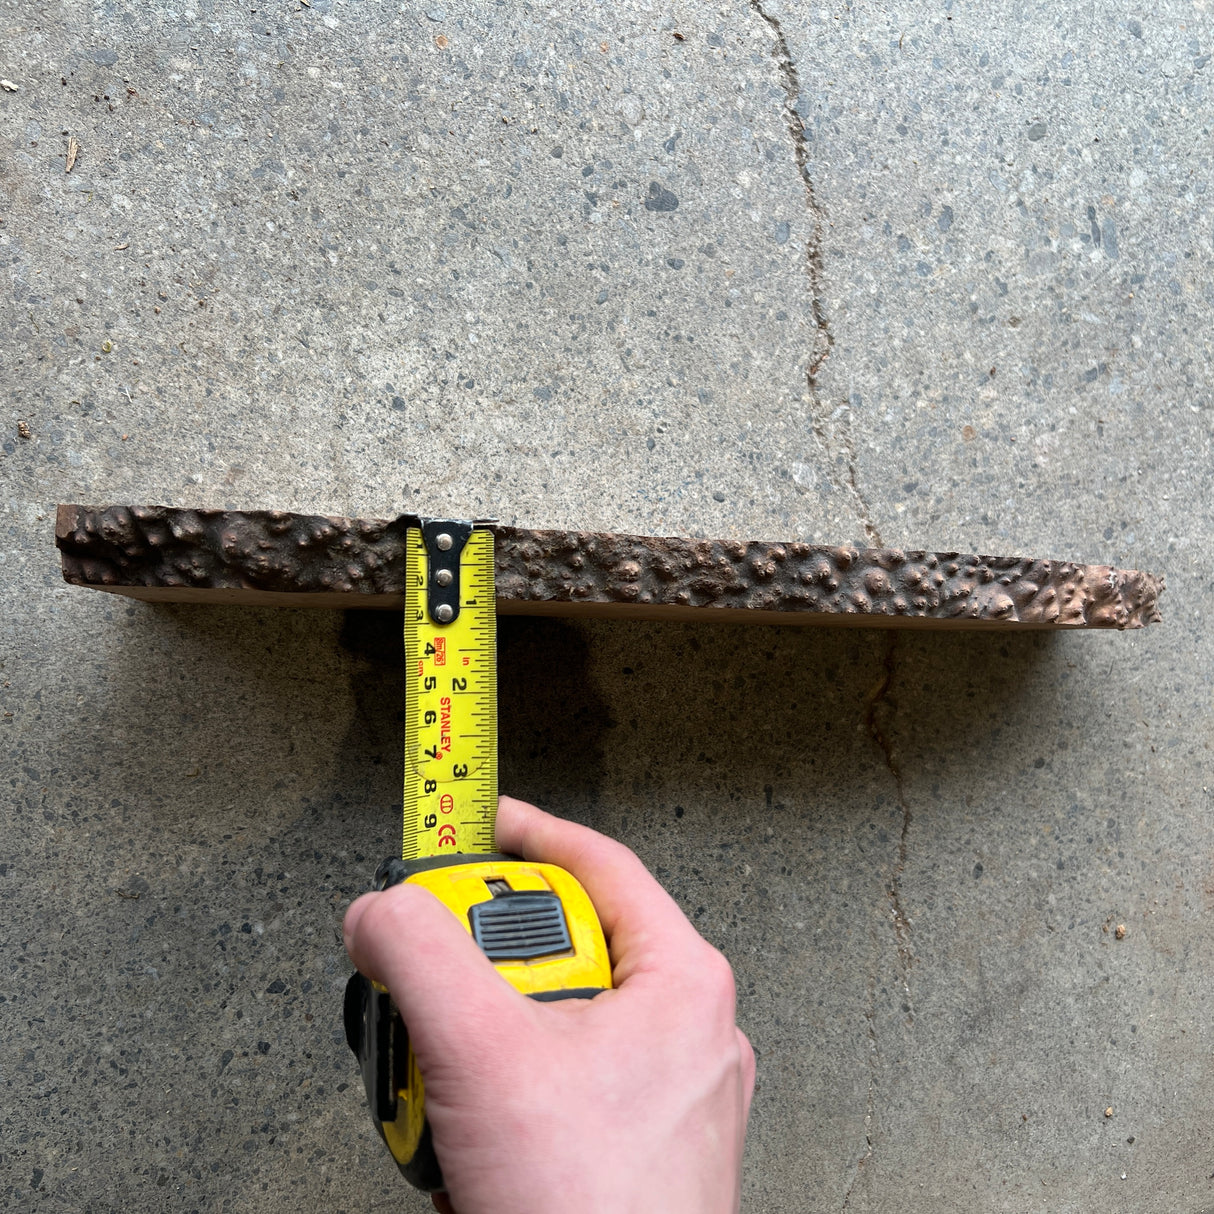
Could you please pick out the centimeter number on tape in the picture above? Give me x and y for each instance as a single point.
(450, 789)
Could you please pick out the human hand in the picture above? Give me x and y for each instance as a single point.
(635, 1100)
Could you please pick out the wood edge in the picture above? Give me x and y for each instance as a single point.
(233, 597)
(79, 569)
(66, 514)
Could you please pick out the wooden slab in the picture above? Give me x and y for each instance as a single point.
(162, 554)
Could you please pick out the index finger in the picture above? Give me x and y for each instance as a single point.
(645, 928)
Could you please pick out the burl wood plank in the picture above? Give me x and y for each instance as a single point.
(272, 558)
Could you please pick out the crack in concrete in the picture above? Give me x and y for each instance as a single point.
(879, 711)
(874, 1066)
(824, 339)
(791, 80)
(879, 718)
(866, 518)
(879, 700)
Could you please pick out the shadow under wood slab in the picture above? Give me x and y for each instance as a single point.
(271, 558)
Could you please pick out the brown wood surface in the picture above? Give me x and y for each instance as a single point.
(272, 558)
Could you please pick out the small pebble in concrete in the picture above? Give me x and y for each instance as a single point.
(661, 199)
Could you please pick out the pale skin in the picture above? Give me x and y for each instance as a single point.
(636, 1100)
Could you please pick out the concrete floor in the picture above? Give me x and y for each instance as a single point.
(556, 264)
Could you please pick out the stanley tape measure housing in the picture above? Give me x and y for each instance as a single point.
(534, 921)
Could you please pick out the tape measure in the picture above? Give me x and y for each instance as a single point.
(450, 691)
(534, 921)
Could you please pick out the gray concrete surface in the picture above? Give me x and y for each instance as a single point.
(357, 258)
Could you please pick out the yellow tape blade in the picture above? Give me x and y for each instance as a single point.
(450, 792)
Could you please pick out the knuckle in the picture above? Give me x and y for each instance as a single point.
(716, 976)
(746, 1052)
(391, 911)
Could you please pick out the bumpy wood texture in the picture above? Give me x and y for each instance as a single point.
(163, 554)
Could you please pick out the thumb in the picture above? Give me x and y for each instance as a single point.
(454, 1003)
